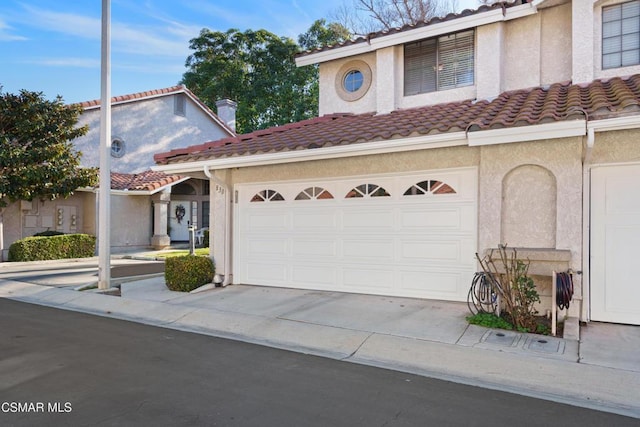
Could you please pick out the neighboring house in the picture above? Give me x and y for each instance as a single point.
(516, 123)
(147, 208)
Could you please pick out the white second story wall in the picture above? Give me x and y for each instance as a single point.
(146, 127)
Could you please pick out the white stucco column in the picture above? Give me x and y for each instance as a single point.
(160, 239)
(489, 54)
(582, 39)
(385, 80)
(219, 218)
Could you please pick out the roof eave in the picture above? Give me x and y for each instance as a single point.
(458, 24)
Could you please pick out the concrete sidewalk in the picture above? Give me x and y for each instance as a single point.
(428, 338)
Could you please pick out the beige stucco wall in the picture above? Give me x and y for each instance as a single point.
(131, 221)
(616, 147)
(522, 53)
(556, 39)
(330, 102)
(352, 166)
(43, 216)
(562, 160)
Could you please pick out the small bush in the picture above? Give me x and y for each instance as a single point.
(489, 320)
(39, 248)
(186, 273)
(205, 242)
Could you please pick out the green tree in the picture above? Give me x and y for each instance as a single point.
(257, 69)
(37, 159)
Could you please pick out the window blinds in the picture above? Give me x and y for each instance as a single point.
(440, 63)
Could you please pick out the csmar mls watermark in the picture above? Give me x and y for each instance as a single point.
(35, 407)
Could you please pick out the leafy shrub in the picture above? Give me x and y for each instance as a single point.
(186, 273)
(38, 248)
(489, 320)
(510, 280)
(48, 233)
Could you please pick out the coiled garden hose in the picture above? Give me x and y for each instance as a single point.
(564, 290)
(482, 297)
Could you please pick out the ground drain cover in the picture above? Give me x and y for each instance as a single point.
(544, 344)
(503, 338)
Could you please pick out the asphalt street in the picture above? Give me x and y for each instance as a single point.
(66, 368)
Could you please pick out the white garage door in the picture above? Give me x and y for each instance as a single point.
(411, 235)
(615, 244)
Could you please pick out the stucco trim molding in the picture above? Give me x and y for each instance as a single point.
(450, 26)
(618, 123)
(528, 133)
(377, 147)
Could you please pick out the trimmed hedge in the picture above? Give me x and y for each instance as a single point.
(186, 273)
(39, 248)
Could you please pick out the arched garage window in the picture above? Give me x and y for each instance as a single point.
(267, 196)
(314, 193)
(429, 187)
(367, 190)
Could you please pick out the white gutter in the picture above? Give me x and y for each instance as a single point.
(377, 147)
(528, 133)
(586, 225)
(433, 30)
(618, 123)
(227, 232)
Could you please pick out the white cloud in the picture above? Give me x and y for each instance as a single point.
(5, 33)
(126, 38)
(67, 62)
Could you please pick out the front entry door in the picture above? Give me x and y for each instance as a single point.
(179, 220)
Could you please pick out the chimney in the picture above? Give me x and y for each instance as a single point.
(227, 112)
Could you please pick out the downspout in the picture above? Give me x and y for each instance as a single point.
(227, 225)
(586, 220)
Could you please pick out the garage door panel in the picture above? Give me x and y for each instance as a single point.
(367, 277)
(431, 251)
(324, 219)
(445, 284)
(379, 250)
(314, 275)
(620, 297)
(371, 218)
(314, 247)
(271, 272)
(431, 218)
(257, 220)
(273, 246)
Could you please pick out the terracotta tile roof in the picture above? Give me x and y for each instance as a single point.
(136, 96)
(436, 20)
(557, 102)
(143, 181)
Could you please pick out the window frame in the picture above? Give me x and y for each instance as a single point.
(442, 55)
(634, 36)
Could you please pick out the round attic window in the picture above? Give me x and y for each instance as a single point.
(353, 80)
(118, 147)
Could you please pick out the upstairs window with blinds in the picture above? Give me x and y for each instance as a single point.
(621, 35)
(439, 63)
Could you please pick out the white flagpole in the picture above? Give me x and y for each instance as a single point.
(104, 202)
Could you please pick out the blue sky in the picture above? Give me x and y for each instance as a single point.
(54, 46)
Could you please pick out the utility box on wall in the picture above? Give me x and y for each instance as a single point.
(66, 219)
